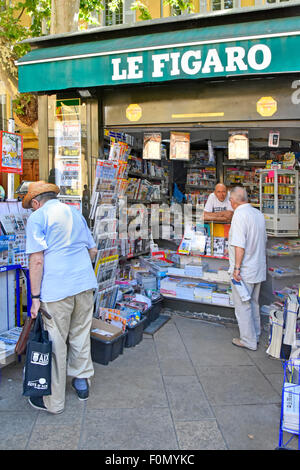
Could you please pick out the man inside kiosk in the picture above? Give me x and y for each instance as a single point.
(218, 207)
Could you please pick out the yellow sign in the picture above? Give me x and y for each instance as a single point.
(134, 112)
(266, 106)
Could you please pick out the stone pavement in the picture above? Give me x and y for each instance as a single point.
(184, 388)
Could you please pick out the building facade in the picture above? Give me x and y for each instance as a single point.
(8, 92)
(204, 73)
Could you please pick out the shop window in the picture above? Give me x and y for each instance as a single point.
(176, 11)
(228, 4)
(222, 4)
(95, 18)
(113, 17)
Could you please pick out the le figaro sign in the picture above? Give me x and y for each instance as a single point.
(152, 59)
(196, 62)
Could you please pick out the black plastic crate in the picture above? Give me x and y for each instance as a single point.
(153, 312)
(104, 352)
(135, 333)
(156, 306)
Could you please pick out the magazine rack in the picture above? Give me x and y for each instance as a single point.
(6, 270)
(290, 412)
(10, 312)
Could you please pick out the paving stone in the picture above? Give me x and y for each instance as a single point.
(176, 366)
(236, 385)
(11, 398)
(186, 398)
(54, 437)
(209, 344)
(15, 429)
(200, 435)
(128, 429)
(267, 364)
(276, 380)
(249, 427)
(138, 389)
(185, 387)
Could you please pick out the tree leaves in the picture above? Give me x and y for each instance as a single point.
(13, 29)
(143, 10)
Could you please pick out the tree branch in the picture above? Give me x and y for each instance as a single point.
(19, 17)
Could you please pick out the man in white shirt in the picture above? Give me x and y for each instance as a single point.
(247, 263)
(218, 207)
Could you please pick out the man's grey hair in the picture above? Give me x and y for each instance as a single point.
(239, 194)
(45, 196)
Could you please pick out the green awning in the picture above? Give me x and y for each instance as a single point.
(261, 47)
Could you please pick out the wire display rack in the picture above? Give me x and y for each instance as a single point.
(290, 413)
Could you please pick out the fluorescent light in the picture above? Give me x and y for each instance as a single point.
(85, 93)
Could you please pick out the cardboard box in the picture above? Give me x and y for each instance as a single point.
(106, 350)
(100, 326)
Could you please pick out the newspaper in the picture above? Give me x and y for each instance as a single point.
(242, 290)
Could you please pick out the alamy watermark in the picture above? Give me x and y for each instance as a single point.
(141, 221)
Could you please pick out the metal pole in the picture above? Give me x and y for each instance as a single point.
(29, 302)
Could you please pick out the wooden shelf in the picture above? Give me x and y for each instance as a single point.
(204, 256)
(185, 276)
(136, 201)
(281, 254)
(195, 166)
(134, 255)
(195, 186)
(171, 297)
(144, 176)
(283, 275)
(244, 162)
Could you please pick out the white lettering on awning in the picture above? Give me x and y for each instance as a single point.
(193, 62)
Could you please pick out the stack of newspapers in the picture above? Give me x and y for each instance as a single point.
(194, 270)
(203, 292)
(185, 290)
(169, 285)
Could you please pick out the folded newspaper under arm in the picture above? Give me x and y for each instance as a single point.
(242, 290)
